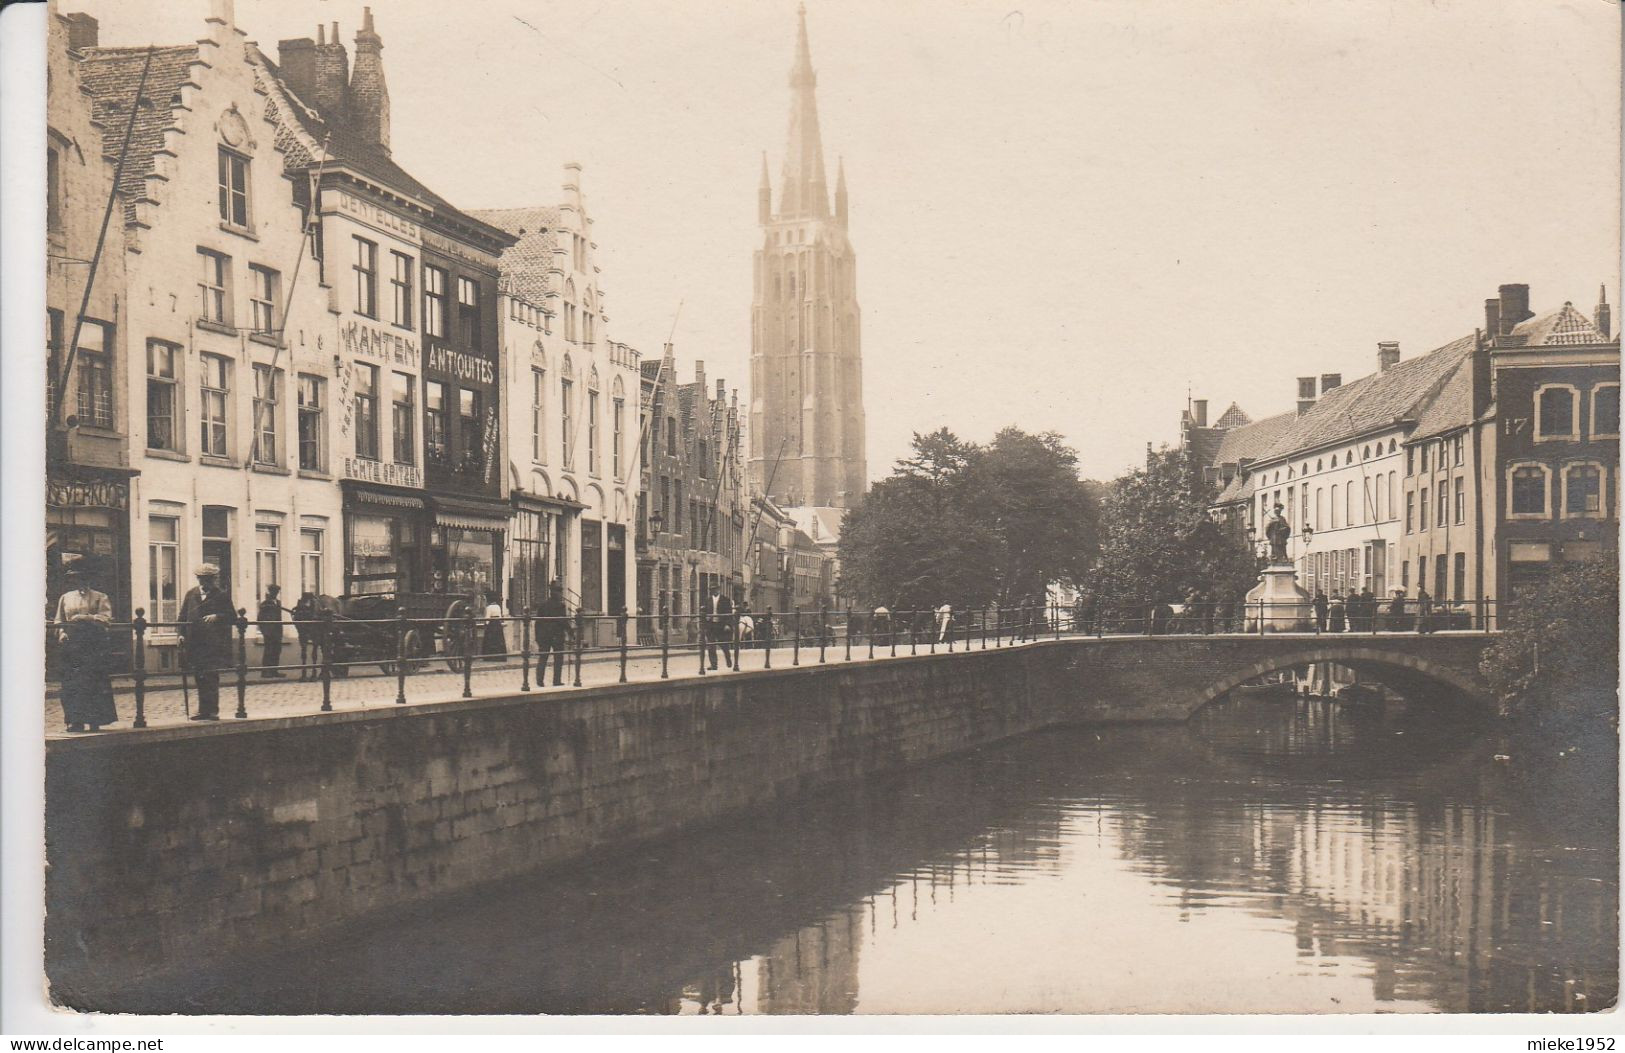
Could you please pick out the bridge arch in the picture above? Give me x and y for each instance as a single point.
(1400, 667)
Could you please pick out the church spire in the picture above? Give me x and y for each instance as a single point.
(805, 191)
(764, 196)
(840, 191)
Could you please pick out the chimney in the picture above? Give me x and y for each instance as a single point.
(1330, 381)
(1387, 355)
(298, 61)
(1306, 394)
(1604, 318)
(1514, 306)
(722, 389)
(332, 74)
(369, 95)
(699, 374)
(1492, 319)
(83, 30)
(1200, 408)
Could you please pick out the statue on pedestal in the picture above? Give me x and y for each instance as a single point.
(1277, 530)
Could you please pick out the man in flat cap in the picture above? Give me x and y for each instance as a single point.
(206, 620)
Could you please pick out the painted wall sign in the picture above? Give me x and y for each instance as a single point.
(373, 216)
(100, 493)
(383, 472)
(377, 342)
(461, 365)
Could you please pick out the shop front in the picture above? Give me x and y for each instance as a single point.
(387, 537)
(87, 529)
(466, 547)
(537, 557)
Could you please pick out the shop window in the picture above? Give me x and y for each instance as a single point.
(1605, 411)
(366, 411)
(400, 284)
(434, 422)
(216, 387)
(434, 301)
(264, 285)
(1582, 490)
(468, 313)
(1554, 412)
(214, 300)
(403, 417)
(233, 180)
(217, 541)
(311, 545)
(163, 397)
(366, 277)
(267, 405)
(312, 430)
(163, 567)
(267, 557)
(1531, 485)
(376, 551)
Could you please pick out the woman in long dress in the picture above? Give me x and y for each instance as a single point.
(82, 617)
(495, 644)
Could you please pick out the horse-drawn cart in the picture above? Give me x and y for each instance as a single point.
(366, 628)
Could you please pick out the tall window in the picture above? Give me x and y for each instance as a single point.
(1348, 503)
(471, 434)
(567, 419)
(665, 502)
(1425, 448)
(538, 442)
(434, 301)
(1461, 578)
(366, 411)
(217, 541)
(1461, 499)
(1424, 508)
(671, 436)
(1554, 413)
(262, 298)
(677, 510)
(233, 188)
(592, 431)
(434, 421)
(366, 277)
(1529, 490)
(403, 412)
(1458, 450)
(163, 567)
(617, 426)
(1441, 578)
(1582, 490)
(1605, 411)
(1443, 518)
(468, 313)
(1410, 460)
(267, 404)
(310, 560)
(311, 405)
(93, 369)
(267, 556)
(401, 286)
(163, 401)
(216, 385)
(213, 303)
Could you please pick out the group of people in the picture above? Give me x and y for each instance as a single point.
(1362, 612)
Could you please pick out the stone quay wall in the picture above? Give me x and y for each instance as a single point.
(179, 845)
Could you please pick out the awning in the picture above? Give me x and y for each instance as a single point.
(526, 499)
(374, 497)
(466, 514)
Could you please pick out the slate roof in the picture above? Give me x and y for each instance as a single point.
(110, 76)
(526, 263)
(343, 145)
(1253, 439)
(1451, 408)
(1562, 327)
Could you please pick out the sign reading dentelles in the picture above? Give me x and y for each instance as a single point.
(383, 472)
(373, 216)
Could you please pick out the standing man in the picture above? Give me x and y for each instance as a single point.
(1424, 610)
(719, 611)
(553, 623)
(206, 620)
(270, 618)
(1322, 608)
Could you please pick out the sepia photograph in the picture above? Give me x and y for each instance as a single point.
(565, 508)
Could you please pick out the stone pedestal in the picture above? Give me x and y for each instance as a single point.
(1285, 607)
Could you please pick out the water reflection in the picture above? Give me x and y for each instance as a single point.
(1271, 857)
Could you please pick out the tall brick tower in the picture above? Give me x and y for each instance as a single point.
(807, 434)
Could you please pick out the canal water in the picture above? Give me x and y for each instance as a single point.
(1273, 856)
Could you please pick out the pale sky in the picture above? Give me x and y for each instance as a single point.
(1066, 213)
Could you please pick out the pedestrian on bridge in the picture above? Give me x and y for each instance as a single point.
(1337, 613)
(1396, 612)
(719, 625)
(1322, 610)
(945, 623)
(1424, 610)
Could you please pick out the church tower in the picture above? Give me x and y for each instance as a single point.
(807, 435)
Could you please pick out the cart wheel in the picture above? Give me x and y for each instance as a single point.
(456, 647)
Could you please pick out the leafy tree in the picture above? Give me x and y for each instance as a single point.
(1558, 656)
(1161, 545)
(970, 525)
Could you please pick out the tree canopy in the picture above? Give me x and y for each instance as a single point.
(1558, 655)
(971, 525)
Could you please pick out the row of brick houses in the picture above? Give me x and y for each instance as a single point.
(1472, 470)
(302, 364)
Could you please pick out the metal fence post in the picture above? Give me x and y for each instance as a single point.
(581, 638)
(140, 670)
(1261, 616)
(242, 663)
(327, 661)
(795, 653)
(767, 639)
(665, 643)
(914, 632)
(823, 631)
(871, 633)
(849, 634)
(468, 652)
(622, 617)
(704, 631)
(524, 652)
(400, 656)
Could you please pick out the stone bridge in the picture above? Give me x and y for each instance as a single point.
(1168, 678)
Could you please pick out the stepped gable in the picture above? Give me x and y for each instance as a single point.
(110, 75)
(528, 264)
(1372, 402)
